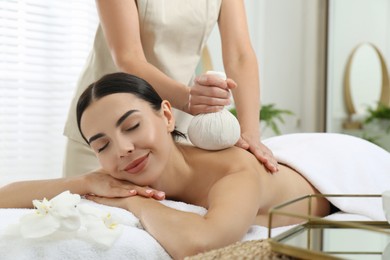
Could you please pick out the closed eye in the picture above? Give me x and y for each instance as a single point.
(132, 128)
(102, 148)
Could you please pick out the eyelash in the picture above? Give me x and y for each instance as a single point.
(104, 147)
(127, 130)
(133, 127)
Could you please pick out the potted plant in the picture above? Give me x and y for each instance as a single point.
(271, 116)
(381, 115)
(376, 126)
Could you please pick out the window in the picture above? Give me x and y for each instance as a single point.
(43, 47)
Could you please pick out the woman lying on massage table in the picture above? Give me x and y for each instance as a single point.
(132, 132)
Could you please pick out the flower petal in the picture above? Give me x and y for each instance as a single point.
(70, 223)
(64, 204)
(99, 232)
(37, 225)
(42, 206)
(101, 226)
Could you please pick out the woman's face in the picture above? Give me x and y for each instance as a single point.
(131, 140)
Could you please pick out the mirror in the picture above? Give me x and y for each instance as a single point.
(366, 82)
(360, 26)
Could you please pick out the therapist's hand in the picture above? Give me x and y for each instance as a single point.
(102, 184)
(209, 94)
(251, 142)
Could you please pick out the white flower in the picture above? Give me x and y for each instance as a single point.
(60, 213)
(64, 208)
(64, 215)
(101, 226)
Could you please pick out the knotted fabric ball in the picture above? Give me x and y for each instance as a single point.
(214, 131)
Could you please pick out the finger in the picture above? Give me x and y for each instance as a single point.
(271, 158)
(160, 195)
(268, 160)
(204, 109)
(231, 83)
(242, 144)
(121, 191)
(211, 80)
(145, 192)
(271, 167)
(260, 156)
(150, 193)
(209, 101)
(209, 91)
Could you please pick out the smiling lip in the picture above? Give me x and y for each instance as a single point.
(137, 165)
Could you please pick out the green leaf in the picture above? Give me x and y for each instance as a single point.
(381, 112)
(270, 115)
(233, 111)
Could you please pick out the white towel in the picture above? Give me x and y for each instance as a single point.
(338, 164)
(134, 242)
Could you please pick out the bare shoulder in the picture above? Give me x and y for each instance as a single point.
(228, 161)
(242, 181)
(242, 160)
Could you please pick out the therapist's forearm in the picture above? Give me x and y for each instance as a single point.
(247, 94)
(20, 194)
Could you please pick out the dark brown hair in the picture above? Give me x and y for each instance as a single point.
(119, 83)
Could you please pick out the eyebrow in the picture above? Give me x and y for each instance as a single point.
(124, 116)
(93, 138)
(120, 121)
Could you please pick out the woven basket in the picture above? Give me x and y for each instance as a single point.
(255, 249)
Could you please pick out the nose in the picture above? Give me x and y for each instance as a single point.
(125, 152)
(125, 148)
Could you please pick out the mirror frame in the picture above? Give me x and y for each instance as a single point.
(385, 89)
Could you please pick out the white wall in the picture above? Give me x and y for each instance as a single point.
(352, 22)
(285, 38)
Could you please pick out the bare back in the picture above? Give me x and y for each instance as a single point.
(211, 168)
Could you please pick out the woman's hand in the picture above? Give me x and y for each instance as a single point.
(263, 153)
(102, 184)
(209, 94)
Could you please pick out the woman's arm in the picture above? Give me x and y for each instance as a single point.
(20, 194)
(240, 64)
(232, 209)
(120, 23)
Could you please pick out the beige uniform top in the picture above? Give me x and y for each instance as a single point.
(173, 34)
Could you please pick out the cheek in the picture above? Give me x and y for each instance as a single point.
(107, 162)
(156, 135)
